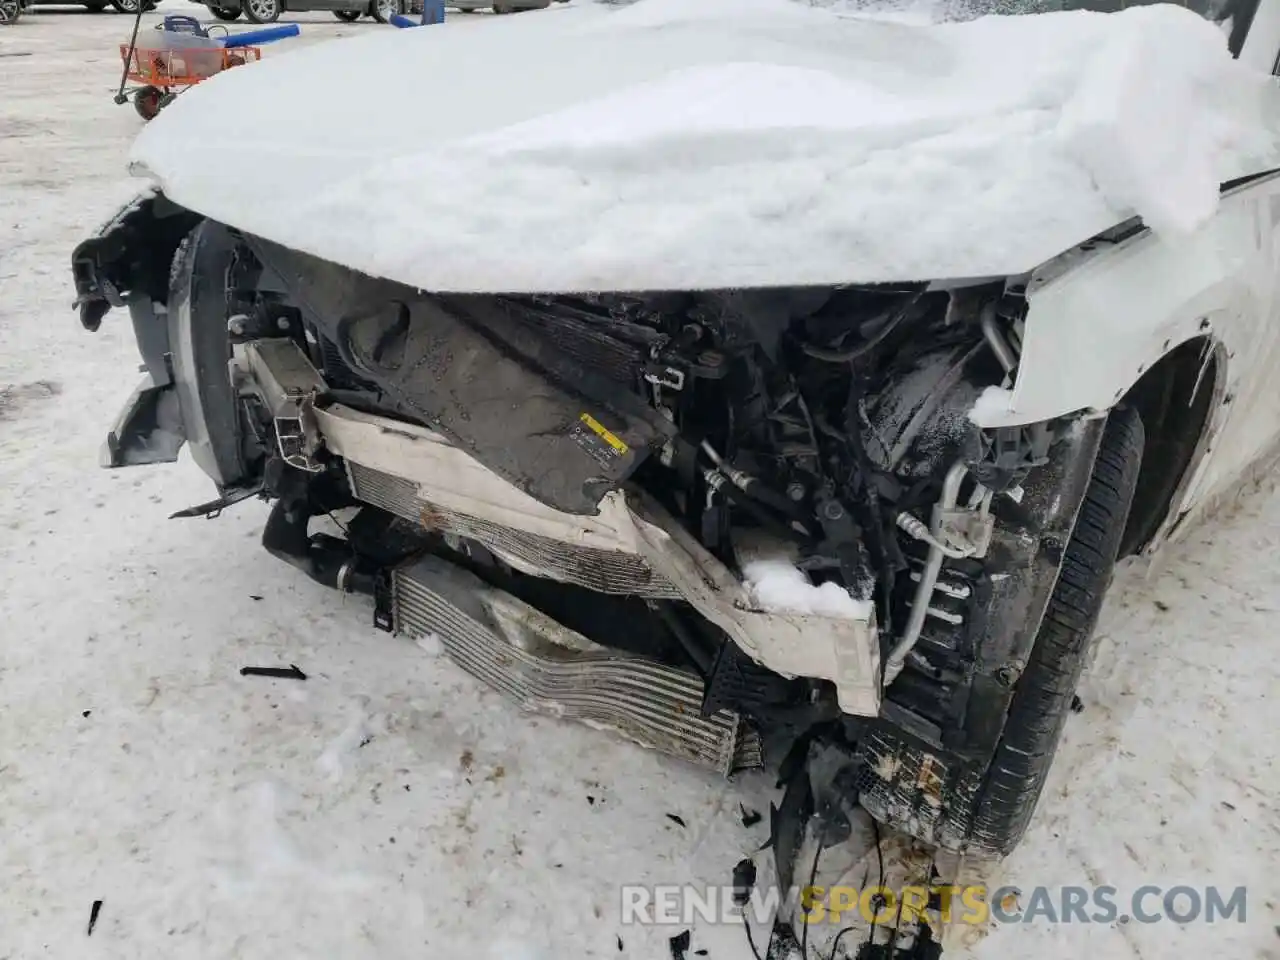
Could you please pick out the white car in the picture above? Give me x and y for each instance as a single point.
(751, 378)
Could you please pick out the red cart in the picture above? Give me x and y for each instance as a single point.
(162, 74)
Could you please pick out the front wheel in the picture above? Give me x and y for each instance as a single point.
(131, 6)
(10, 11)
(226, 13)
(986, 805)
(1042, 701)
(384, 10)
(263, 11)
(348, 16)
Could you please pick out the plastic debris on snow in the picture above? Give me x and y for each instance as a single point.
(717, 143)
(779, 586)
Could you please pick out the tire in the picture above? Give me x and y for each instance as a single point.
(989, 807)
(226, 13)
(348, 16)
(263, 11)
(384, 10)
(10, 12)
(147, 102)
(1042, 700)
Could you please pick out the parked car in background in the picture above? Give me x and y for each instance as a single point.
(11, 10)
(500, 6)
(93, 6)
(268, 11)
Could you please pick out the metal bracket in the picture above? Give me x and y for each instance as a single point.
(967, 526)
(298, 436)
(668, 377)
(280, 373)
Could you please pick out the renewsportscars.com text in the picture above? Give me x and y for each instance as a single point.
(976, 905)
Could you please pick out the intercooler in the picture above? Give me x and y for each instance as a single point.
(547, 668)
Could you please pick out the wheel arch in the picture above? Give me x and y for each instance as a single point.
(1177, 398)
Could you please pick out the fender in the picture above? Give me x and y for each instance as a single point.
(1102, 315)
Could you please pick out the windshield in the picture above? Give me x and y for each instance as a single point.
(1234, 16)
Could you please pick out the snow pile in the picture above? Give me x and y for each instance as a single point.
(708, 143)
(992, 404)
(1157, 117)
(778, 586)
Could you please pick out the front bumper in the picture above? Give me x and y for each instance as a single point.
(148, 429)
(630, 546)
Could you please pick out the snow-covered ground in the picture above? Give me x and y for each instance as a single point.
(389, 807)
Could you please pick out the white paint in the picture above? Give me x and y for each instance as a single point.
(1094, 329)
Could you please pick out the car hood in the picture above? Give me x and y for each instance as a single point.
(684, 144)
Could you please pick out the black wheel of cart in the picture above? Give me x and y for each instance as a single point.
(148, 101)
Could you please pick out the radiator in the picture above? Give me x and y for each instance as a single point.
(546, 668)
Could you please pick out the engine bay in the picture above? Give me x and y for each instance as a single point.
(822, 432)
(810, 415)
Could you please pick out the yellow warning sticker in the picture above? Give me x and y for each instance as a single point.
(601, 431)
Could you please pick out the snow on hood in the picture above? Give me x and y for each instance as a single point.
(718, 143)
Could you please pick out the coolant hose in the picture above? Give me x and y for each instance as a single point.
(327, 560)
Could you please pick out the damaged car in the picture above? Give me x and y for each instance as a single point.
(752, 430)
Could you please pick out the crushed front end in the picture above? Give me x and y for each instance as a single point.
(598, 466)
(732, 525)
